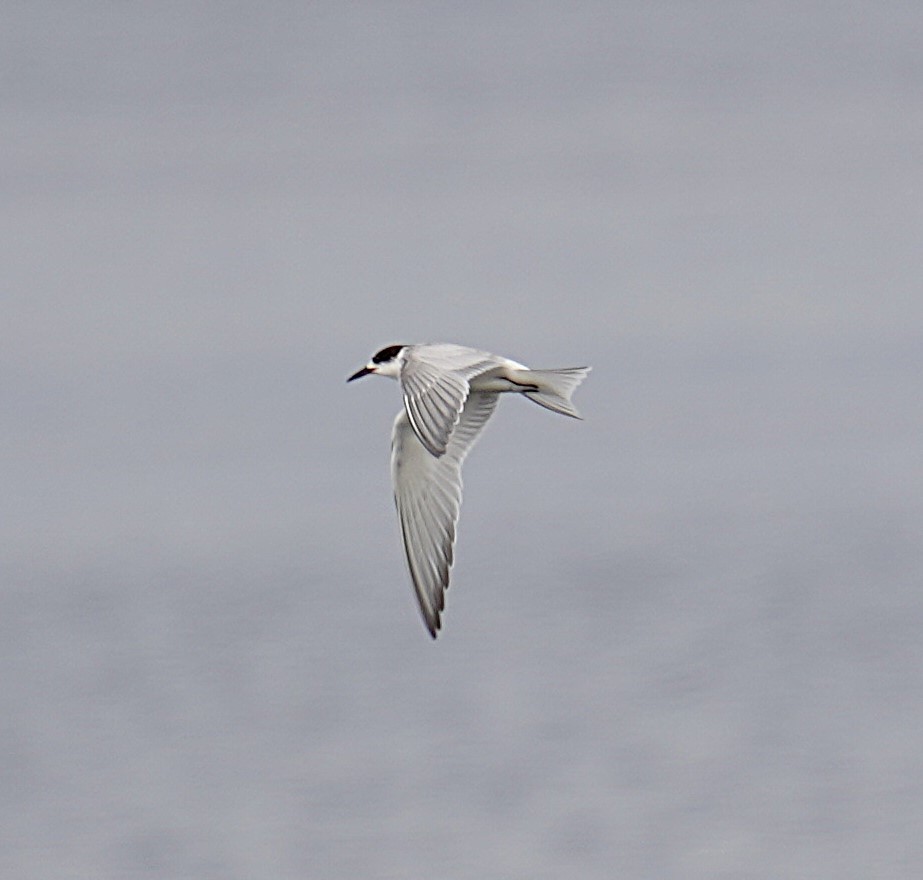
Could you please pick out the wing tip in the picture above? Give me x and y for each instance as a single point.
(432, 623)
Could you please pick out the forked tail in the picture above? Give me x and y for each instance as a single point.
(555, 388)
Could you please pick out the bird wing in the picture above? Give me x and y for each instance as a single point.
(434, 380)
(427, 494)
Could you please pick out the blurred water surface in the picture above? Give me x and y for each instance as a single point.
(682, 638)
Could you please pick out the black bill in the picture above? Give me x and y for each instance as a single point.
(363, 372)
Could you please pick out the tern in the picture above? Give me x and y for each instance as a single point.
(449, 391)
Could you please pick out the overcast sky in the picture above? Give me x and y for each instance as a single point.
(180, 179)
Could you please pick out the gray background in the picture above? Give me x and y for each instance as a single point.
(683, 637)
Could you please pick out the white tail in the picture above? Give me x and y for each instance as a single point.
(555, 388)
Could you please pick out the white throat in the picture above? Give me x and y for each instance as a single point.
(391, 369)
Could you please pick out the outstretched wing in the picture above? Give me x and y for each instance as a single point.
(434, 379)
(427, 494)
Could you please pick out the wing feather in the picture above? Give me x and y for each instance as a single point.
(434, 379)
(427, 494)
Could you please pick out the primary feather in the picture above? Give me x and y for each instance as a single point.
(427, 494)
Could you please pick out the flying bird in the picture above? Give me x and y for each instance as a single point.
(449, 391)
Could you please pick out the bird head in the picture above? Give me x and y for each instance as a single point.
(386, 362)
